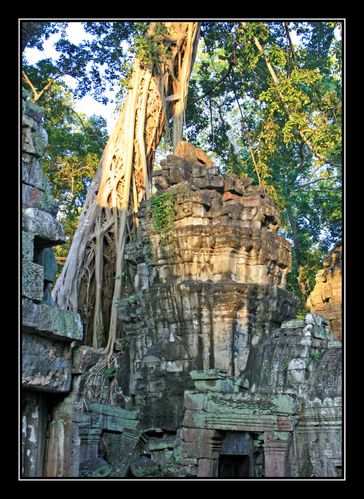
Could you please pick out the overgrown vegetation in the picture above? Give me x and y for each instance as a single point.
(163, 213)
(264, 101)
(163, 217)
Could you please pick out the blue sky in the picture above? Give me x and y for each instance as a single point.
(87, 104)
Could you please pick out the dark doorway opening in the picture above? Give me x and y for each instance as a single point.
(233, 466)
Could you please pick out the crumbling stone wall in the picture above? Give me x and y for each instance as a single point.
(326, 298)
(47, 332)
(212, 360)
(287, 403)
(216, 352)
(208, 284)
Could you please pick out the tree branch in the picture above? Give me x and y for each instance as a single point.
(314, 181)
(223, 78)
(30, 84)
(288, 35)
(211, 122)
(276, 81)
(253, 158)
(36, 95)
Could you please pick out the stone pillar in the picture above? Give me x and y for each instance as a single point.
(319, 438)
(207, 468)
(63, 449)
(55, 449)
(89, 442)
(34, 422)
(275, 452)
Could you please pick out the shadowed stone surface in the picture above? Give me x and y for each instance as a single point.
(46, 331)
(46, 365)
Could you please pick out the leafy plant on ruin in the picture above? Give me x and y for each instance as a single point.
(163, 216)
(111, 372)
(162, 209)
(316, 356)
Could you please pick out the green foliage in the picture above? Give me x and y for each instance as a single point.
(285, 132)
(110, 372)
(148, 46)
(316, 356)
(162, 211)
(37, 32)
(98, 63)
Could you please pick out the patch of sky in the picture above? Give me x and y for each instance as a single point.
(76, 34)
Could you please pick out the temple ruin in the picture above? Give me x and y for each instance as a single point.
(215, 376)
(326, 297)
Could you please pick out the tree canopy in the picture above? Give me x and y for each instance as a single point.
(265, 100)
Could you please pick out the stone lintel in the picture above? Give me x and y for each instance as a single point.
(112, 410)
(44, 226)
(209, 374)
(51, 322)
(46, 365)
(61, 324)
(293, 324)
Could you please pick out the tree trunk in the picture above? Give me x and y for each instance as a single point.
(28, 29)
(91, 280)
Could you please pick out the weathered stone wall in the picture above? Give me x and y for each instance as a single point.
(283, 361)
(207, 287)
(289, 396)
(319, 428)
(326, 297)
(214, 365)
(210, 318)
(47, 332)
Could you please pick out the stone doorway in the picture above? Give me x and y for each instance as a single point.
(233, 466)
(241, 455)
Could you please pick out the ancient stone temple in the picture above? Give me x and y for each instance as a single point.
(326, 298)
(214, 377)
(206, 288)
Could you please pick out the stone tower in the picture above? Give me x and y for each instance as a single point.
(209, 276)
